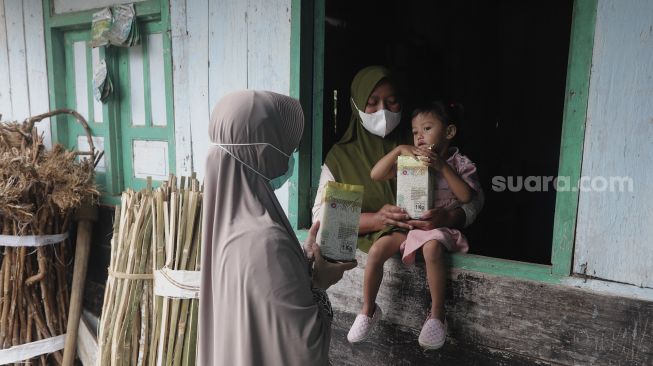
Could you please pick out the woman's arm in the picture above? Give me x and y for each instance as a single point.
(472, 208)
(388, 215)
(369, 221)
(325, 176)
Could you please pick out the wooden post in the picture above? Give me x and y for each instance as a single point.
(86, 215)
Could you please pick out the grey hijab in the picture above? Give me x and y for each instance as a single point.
(256, 305)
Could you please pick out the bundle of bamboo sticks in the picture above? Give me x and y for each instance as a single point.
(125, 327)
(177, 235)
(152, 230)
(39, 192)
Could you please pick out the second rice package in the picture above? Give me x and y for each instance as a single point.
(341, 209)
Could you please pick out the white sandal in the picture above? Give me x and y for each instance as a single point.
(363, 326)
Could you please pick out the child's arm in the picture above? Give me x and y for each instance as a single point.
(458, 186)
(386, 168)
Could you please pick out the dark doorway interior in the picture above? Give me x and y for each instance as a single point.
(505, 61)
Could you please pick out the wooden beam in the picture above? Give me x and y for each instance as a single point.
(536, 320)
(402, 349)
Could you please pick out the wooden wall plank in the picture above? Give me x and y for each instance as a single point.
(137, 85)
(223, 68)
(5, 82)
(98, 109)
(180, 75)
(228, 70)
(268, 55)
(80, 77)
(198, 79)
(211, 59)
(614, 231)
(554, 323)
(268, 45)
(37, 72)
(17, 59)
(157, 79)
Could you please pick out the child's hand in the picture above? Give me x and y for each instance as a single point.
(407, 150)
(430, 158)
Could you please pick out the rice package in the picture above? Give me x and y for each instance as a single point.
(414, 186)
(341, 210)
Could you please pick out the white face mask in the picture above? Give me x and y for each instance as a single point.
(381, 122)
(275, 183)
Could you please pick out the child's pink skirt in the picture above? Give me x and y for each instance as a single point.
(452, 239)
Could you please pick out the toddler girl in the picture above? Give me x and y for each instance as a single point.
(456, 182)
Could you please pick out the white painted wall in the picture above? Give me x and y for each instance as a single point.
(614, 235)
(221, 46)
(23, 72)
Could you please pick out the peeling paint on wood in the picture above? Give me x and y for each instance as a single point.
(392, 345)
(220, 46)
(553, 323)
(614, 231)
(23, 71)
(181, 100)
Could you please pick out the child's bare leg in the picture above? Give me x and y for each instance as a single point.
(381, 250)
(436, 275)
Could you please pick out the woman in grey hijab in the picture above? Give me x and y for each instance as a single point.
(259, 305)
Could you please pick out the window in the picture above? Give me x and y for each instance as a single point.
(521, 71)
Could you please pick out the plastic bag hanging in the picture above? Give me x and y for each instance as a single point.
(102, 86)
(100, 28)
(124, 30)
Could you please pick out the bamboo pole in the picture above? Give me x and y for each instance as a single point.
(86, 216)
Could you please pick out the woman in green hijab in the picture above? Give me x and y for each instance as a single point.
(371, 134)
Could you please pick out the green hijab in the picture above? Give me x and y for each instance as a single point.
(351, 159)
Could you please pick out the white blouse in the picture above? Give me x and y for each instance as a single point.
(471, 209)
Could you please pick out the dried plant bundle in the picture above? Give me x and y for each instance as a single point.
(40, 190)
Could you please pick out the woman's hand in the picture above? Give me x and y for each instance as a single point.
(393, 215)
(437, 217)
(325, 273)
